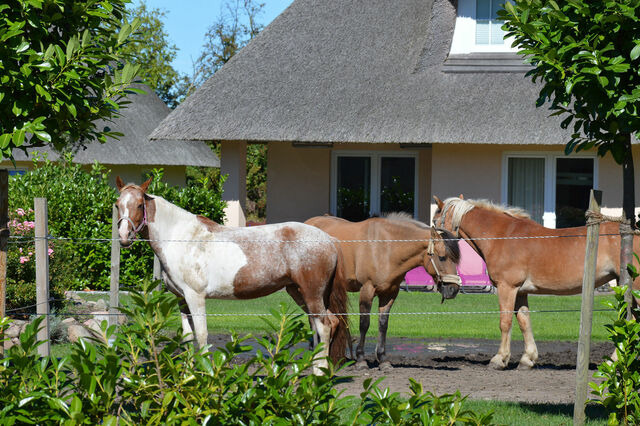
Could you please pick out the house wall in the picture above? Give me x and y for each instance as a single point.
(299, 178)
(173, 175)
(476, 172)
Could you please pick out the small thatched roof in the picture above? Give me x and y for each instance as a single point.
(137, 121)
(364, 71)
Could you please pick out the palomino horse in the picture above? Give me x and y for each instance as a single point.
(518, 267)
(376, 268)
(201, 259)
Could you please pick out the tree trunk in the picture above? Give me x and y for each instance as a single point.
(626, 230)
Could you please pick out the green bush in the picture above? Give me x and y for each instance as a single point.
(80, 208)
(149, 375)
(619, 391)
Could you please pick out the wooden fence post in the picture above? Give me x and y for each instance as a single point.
(114, 287)
(42, 272)
(586, 314)
(4, 244)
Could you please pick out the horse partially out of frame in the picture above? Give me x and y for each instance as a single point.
(519, 263)
(201, 259)
(374, 267)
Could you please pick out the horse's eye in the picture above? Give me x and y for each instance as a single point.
(442, 258)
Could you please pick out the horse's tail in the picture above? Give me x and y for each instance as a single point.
(339, 304)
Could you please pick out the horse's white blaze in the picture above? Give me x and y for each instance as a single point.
(123, 228)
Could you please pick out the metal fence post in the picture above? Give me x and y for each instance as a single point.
(586, 314)
(114, 286)
(42, 272)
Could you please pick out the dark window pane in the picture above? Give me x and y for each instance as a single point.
(397, 184)
(354, 187)
(574, 180)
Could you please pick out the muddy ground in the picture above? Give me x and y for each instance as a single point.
(447, 365)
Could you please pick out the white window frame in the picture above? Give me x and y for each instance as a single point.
(550, 174)
(464, 34)
(376, 161)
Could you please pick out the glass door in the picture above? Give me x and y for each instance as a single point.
(574, 180)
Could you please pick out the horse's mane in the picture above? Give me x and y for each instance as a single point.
(449, 240)
(458, 207)
(405, 217)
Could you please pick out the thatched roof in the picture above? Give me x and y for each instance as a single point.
(364, 71)
(137, 121)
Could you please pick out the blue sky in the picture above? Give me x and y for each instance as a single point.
(187, 21)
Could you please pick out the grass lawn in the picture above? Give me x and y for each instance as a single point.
(451, 322)
(516, 414)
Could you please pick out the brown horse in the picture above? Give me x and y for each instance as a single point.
(201, 259)
(376, 268)
(518, 267)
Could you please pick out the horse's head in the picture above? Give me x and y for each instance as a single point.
(132, 211)
(443, 219)
(440, 260)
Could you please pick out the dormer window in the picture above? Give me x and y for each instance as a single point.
(478, 29)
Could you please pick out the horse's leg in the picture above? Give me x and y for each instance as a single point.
(530, 355)
(198, 310)
(324, 333)
(506, 299)
(367, 292)
(295, 294)
(385, 302)
(187, 319)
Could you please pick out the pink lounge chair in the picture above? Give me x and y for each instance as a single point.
(472, 271)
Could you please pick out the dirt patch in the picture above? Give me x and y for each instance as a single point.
(444, 366)
(447, 365)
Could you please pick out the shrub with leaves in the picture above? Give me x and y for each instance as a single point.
(150, 375)
(619, 392)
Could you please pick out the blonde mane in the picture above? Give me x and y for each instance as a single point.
(459, 207)
(405, 217)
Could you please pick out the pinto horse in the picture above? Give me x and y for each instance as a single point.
(201, 259)
(376, 268)
(518, 267)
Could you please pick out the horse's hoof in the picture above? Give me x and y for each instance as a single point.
(525, 363)
(497, 364)
(362, 365)
(385, 366)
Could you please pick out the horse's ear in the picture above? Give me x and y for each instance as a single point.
(145, 185)
(461, 197)
(119, 183)
(438, 201)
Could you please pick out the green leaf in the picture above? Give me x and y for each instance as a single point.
(125, 31)
(18, 137)
(22, 47)
(635, 52)
(42, 135)
(4, 140)
(72, 109)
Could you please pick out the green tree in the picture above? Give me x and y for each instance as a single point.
(61, 70)
(235, 27)
(586, 55)
(150, 49)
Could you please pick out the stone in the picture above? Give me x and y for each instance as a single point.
(13, 330)
(76, 331)
(100, 305)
